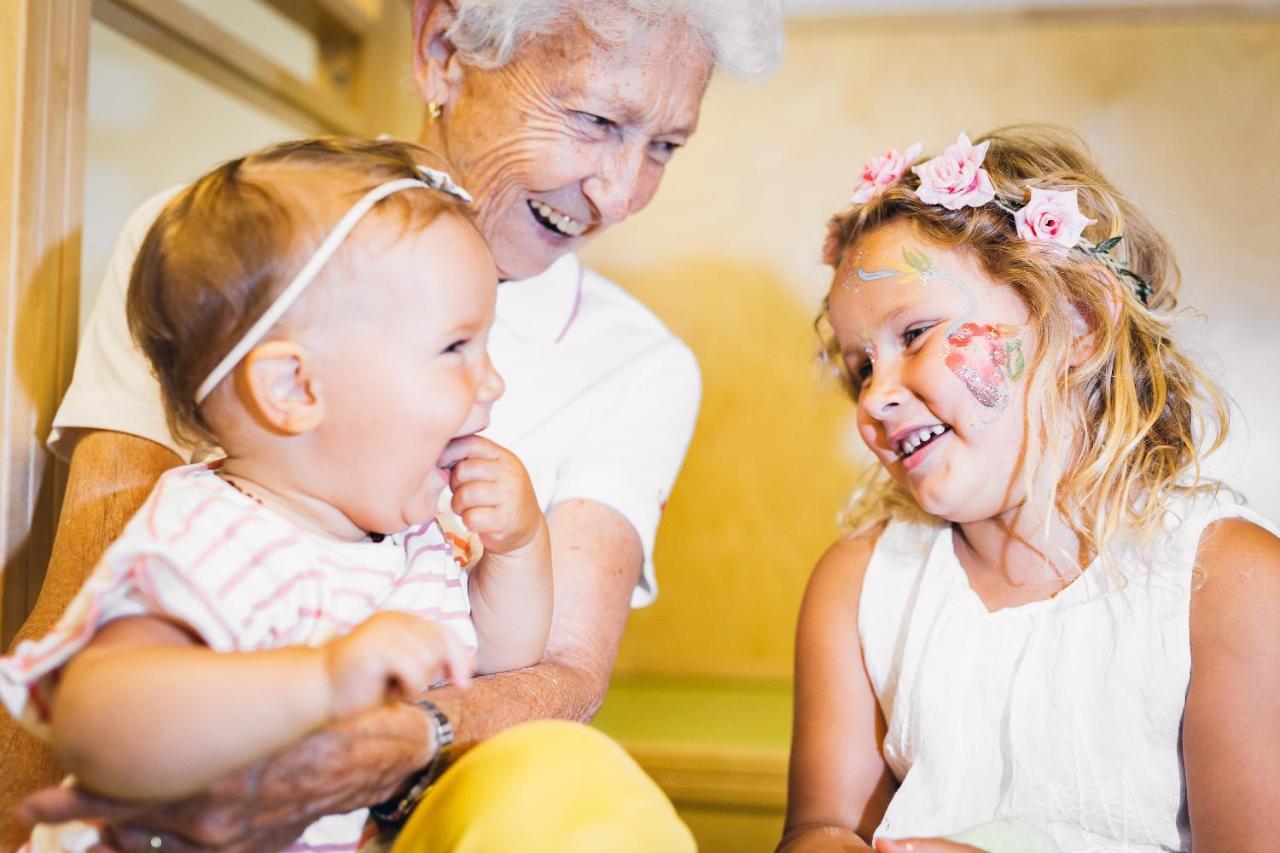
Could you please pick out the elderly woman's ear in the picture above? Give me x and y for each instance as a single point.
(436, 69)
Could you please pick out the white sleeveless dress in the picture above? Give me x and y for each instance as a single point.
(1063, 713)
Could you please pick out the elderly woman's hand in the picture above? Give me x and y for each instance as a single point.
(267, 805)
(220, 819)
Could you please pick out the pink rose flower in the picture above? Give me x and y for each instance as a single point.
(1052, 216)
(882, 172)
(955, 178)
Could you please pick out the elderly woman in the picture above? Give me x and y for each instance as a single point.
(559, 116)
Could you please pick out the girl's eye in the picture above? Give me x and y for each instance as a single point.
(911, 335)
(457, 346)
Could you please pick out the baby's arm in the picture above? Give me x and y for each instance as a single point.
(146, 713)
(839, 785)
(1232, 714)
(510, 587)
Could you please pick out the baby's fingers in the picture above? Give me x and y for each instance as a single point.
(485, 521)
(457, 662)
(469, 447)
(473, 469)
(442, 653)
(413, 669)
(478, 494)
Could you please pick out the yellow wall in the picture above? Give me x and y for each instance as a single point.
(1182, 115)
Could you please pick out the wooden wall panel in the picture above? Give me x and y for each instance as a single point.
(43, 81)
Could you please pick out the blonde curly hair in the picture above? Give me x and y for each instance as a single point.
(1133, 421)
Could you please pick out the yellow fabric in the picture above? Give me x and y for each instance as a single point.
(545, 786)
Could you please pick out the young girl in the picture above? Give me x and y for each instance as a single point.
(320, 310)
(1044, 629)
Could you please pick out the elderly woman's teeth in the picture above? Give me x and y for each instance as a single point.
(553, 218)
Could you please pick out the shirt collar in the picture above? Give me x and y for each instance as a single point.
(543, 307)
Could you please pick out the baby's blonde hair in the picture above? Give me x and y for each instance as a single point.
(1133, 420)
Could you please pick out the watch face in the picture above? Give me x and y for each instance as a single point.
(443, 728)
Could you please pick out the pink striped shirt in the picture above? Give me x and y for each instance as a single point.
(243, 578)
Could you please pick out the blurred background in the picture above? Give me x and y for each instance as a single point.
(1178, 101)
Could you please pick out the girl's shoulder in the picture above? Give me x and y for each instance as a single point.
(1207, 528)
(861, 564)
(844, 564)
(1237, 579)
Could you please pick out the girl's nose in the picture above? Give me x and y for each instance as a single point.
(882, 393)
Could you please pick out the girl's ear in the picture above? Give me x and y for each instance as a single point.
(436, 69)
(281, 390)
(1086, 324)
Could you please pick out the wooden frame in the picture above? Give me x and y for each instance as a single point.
(43, 90)
(183, 35)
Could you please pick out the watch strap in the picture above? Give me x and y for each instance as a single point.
(396, 811)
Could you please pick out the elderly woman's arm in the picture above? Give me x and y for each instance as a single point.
(596, 556)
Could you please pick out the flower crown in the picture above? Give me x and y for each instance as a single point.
(955, 179)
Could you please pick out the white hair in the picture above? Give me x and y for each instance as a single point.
(743, 36)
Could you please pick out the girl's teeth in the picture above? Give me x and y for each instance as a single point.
(913, 442)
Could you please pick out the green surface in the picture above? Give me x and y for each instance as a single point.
(739, 713)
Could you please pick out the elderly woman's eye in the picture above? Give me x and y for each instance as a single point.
(596, 121)
(662, 151)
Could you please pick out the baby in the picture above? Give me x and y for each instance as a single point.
(318, 310)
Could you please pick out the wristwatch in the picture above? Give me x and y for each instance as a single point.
(396, 811)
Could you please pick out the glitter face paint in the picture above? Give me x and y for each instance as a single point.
(918, 268)
(986, 358)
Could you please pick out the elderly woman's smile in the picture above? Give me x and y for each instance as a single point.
(571, 135)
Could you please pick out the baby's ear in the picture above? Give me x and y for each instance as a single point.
(281, 390)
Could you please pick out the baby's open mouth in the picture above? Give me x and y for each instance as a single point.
(920, 438)
(553, 220)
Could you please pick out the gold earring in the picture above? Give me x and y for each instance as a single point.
(434, 110)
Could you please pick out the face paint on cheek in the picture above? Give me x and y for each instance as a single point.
(985, 358)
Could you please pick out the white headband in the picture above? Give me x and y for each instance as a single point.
(432, 179)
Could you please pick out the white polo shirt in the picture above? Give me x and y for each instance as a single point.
(600, 404)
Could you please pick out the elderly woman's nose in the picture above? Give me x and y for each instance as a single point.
(615, 187)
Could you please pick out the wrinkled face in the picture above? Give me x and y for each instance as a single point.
(404, 367)
(938, 353)
(571, 136)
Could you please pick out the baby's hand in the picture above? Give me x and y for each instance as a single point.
(391, 654)
(492, 494)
